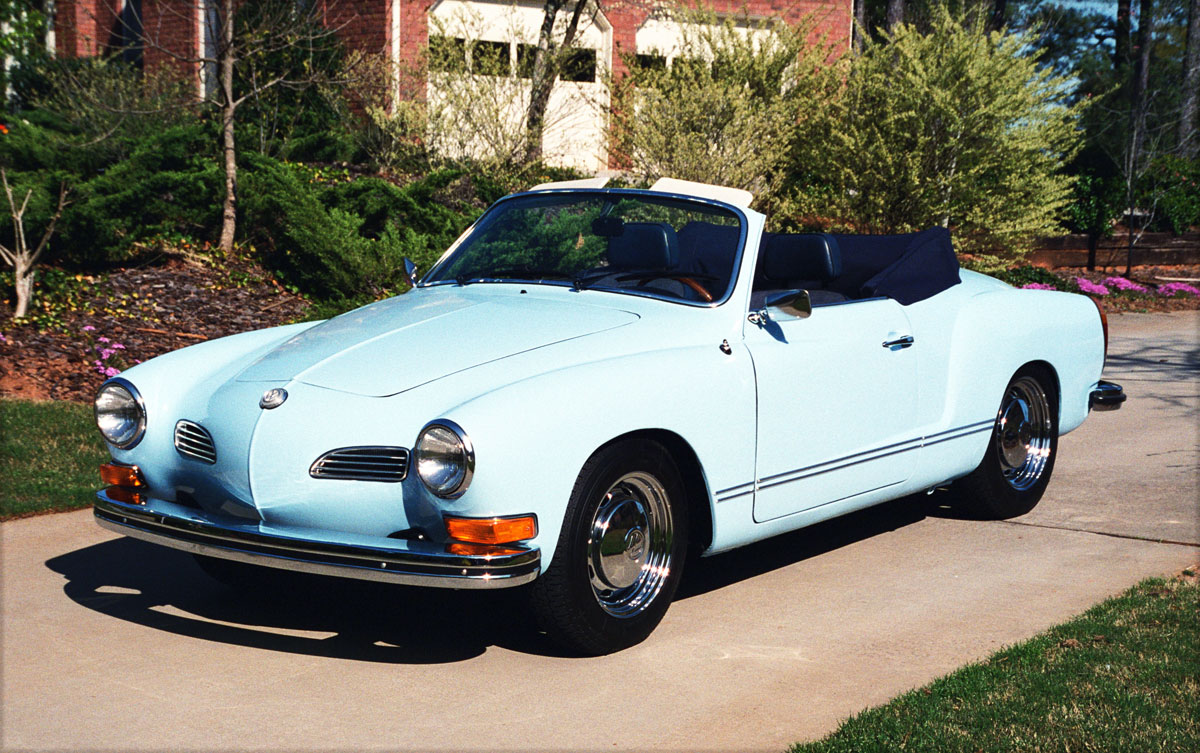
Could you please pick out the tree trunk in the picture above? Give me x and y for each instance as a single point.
(1137, 113)
(23, 282)
(541, 81)
(1186, 143)
(999, 9)
(895, 14)
(1123, 26)
(228, 111)
(1093, 244)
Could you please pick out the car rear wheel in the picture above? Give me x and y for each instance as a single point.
(620, 553)
(1020, 457)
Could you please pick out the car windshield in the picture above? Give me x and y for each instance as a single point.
(630, 242)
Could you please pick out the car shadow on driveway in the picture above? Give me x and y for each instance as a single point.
(164, 589)
(719, 571)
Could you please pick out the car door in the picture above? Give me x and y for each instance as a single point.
(837, 401)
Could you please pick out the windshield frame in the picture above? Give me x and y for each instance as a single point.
(483, 222)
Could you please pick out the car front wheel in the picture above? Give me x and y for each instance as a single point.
(1020, 457)
(620, 553)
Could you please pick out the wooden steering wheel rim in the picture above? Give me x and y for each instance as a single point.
(700, 289)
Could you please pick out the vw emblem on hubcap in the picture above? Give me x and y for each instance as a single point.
(272, 398)
(635, 544)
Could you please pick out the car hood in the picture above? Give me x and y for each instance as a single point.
(404, 342)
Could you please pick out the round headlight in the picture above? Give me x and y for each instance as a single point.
(120, 413)
(445, 459)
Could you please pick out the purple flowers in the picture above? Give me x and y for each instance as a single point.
(1037, 286)
(1175, 288)
(1125, 286)
(109, 361)
(1089, 287)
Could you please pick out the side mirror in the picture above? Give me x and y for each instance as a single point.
(410, 271)
(792, 303)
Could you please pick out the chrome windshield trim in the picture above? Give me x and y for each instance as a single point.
(405, 562)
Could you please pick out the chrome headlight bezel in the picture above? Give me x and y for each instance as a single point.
(457, 484)
(127, 440)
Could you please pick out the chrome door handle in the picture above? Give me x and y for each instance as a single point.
(899, 343)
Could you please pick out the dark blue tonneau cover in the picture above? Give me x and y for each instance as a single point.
(907, 268)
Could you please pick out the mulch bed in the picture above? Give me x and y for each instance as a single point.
(148, 311)
(154, 310)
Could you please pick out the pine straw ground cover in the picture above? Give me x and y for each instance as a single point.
(83, 329)
(1123, 676)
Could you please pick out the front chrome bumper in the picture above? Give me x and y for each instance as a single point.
(406, 562)
(1107, 396)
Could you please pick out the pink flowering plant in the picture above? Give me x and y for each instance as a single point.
(109, 355)
(1037, 286)
(1172, 289)
(1089, 287)
(1120, 284)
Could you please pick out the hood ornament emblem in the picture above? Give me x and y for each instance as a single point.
(272, 398)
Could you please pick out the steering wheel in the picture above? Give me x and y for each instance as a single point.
(690, 282)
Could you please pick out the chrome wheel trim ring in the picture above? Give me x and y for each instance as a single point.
(629, 545)
(1024, 433)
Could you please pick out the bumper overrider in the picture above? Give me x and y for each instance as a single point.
(1107, 396)
(402, 561)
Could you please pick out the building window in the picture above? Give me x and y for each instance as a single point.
(447, 54)
(210, 37)
(579, 65)
(125, 36)
(651, 62)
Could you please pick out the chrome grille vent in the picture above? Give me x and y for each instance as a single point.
(362, 464)
(193, 441)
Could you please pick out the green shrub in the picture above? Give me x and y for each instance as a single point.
(346, 242)
(166, 186)
(1027, 273)
(738, 101)
(958, 127)
(1174, 183)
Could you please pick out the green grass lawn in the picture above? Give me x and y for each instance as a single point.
(1124, 676)
(49, 457)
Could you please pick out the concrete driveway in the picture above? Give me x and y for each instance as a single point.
(109, 643)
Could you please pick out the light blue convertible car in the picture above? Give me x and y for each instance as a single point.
(590, 383)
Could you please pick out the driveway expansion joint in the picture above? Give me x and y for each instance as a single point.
(1193, 544)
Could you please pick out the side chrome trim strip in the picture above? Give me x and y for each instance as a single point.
(858, 458)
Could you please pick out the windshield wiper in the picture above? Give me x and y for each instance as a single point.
(583, 281)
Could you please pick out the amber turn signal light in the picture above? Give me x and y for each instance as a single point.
(492, 530)
(480, 550)
(124, 494)
(121, 475)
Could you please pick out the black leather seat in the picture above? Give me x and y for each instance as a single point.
(644, 246)
(807, 261)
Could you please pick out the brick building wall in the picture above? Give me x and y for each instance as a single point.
(399, 28)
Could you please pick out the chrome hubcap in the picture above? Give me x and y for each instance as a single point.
(629, 545)
(1023, 433)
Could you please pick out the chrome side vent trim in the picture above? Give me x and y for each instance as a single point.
(193, 441)
(387, 464)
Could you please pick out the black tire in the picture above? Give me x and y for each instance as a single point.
(1019, 460)
(608, 592)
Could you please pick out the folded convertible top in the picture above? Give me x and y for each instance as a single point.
(908, 268)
